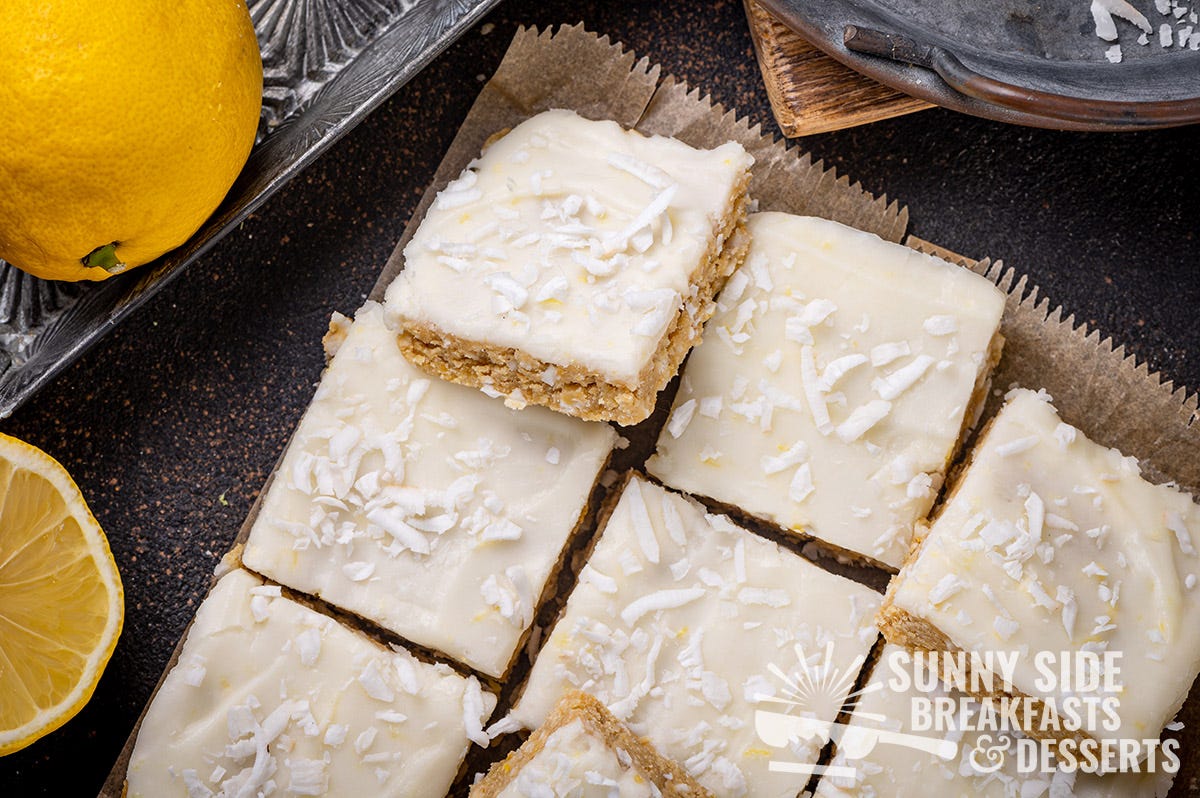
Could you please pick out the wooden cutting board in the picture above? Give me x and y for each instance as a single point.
(811, 92)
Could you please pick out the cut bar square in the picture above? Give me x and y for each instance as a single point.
(573, 265)
(833, 386)
(685, 625)
(583, 750)
(269, 696)
(1055, 549)
(424, 506)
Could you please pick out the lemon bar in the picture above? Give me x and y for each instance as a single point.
(573, 265)
(424, 506)
(833, 385)
(683, 624)
(1055, 549)
(890, 749)
(270, 697)
(582, 751)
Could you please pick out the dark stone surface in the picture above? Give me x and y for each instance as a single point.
(171, 424)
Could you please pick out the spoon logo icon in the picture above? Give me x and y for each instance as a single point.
(812, 697)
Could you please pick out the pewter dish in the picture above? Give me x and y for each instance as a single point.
(1022, 61)
(326, 65)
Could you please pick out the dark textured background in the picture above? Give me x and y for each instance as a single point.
(171, 424)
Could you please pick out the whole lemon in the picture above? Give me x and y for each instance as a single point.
(126, 122)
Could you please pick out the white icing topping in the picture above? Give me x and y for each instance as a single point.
(673, 648)
(422, 505)
(579, 252)
(1119, 587)
(575, 763)
(282, 696)
(836, 364)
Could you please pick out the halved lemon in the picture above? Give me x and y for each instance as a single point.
(61, 603)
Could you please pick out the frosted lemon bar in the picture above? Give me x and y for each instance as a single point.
(426, 507)
(582, 751)
(573, 265)
(888, 751)
(683, 624)
(833, 385)
(1055, 549)
(269, 697)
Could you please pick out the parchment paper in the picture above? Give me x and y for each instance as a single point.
(1109, 396)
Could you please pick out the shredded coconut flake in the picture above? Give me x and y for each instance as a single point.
(373, 683)
(193, 671)
(657, 306)
(358, 571)
(500, 529)
(259, 608)
(941, 325)
(335, 734)
(1066, 597)
(1005, 627)
(892, 385)
(506, 725)
(308, 777)
(1183, 537)
(794, 455)
(643, 527)
(883, 354)
(406, 674)
(863, 419)
(308, 645)
(816, 312)
(602, 582)
(1103, 12)
(802, 484)
(765, 597)
(681, 417)
(812, 391)
(673, 523)
(556, 288)
(1016, 446)
(659, 600)
(393, 522)
(473, 713)
(838, 368)
(648, 173)
(947, 586)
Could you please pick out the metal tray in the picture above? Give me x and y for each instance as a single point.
(326, 65)
(1032, 62)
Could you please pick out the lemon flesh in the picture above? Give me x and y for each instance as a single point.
(61, 602)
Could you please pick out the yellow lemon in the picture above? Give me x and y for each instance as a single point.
(125, 124)
(61, 603)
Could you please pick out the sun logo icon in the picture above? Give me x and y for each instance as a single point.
(813, 695)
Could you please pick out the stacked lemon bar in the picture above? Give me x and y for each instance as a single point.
(573, 265)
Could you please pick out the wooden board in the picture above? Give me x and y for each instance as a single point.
(811, 92)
